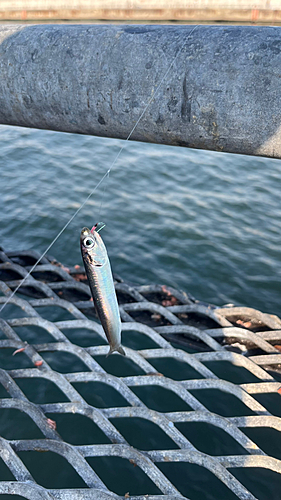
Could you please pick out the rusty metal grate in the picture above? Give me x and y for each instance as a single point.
(190, 341)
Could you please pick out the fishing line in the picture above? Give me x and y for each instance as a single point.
(154, 93)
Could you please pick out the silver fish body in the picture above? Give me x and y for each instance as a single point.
(100, 279)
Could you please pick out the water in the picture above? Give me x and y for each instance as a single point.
(208, 223)
(205, 222)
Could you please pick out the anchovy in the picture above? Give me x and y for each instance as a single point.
(100, 279)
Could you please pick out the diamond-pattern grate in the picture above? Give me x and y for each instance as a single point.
(164, 319)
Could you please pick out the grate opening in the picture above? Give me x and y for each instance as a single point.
(268, 439)
(12, 311)
(197, 320)
(23, 260)
(163, 298)
(15, 424)
(223, 403)
(83, 337)
(30, 291)
(187, 345)
(124, 298)
(210, 439)
(160, 399)
(149, 319)
(9, 275)
(40, 390)
(228, 371)
(275, 374)
(12, 497)
(143, 434)
(77, 429)
(51, 470)
(271, 401)
(64, 362)
(175, 369)
(263, 483)
(123, 476)
(119, 366)
(100, 395)
(54, 313)
(72, 294)
(137, 340)
(5, 473)
(3, 393)
(34, 334)
(10, 362)
(195, 482)
(47, 276)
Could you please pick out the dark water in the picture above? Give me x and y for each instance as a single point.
(205, 222)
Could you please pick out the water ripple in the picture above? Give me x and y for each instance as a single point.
(205, 222)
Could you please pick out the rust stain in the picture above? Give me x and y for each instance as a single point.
(255, 15)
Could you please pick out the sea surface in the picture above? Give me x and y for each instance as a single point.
(205, 222)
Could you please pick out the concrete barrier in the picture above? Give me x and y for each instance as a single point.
(261, 11)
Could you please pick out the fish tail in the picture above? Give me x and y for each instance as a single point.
(116, 349)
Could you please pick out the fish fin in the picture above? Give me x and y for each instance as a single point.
(116, 349)
(121, 350)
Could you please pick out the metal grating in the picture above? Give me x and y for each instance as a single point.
(182, 333)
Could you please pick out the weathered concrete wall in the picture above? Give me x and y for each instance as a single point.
(263, 11)
(222, 93)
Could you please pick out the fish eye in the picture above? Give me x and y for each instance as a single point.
(88, 242)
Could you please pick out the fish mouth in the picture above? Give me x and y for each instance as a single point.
(84, 233)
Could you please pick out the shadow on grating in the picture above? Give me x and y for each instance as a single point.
(143, 434)
(15, 424)
(210, 439)
(195, 482)
(77, 429)
(100, 395)
(228, 371)
(160, 399)
(263, 483)
(39, 390)
(123, 476)
(51, 470)
(223, 403)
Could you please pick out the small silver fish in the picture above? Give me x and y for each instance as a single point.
(100, 279)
